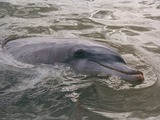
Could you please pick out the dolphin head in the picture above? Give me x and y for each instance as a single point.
(98, 59)
(85, 57)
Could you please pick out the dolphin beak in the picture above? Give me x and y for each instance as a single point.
(110, 68)
(123, 71)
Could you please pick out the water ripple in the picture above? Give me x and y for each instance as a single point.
(104, 14)
(30, 10)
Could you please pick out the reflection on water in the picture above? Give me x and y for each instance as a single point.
(56, 92)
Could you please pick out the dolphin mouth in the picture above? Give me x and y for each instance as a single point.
(123, 71)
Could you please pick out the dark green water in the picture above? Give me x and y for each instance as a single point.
(44, 92)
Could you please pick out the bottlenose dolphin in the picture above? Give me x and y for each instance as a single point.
(82, 55)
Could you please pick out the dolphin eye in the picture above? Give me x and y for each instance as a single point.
(80, 54)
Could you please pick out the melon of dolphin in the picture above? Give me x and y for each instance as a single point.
(82, 55)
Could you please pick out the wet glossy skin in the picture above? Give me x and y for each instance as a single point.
(83, 56)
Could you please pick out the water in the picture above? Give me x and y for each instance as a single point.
(45, 92)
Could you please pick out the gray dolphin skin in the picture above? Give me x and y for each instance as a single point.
(82, 55)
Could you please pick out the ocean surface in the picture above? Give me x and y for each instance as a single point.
(56, 92)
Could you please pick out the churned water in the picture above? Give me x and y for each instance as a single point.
(46, 92)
